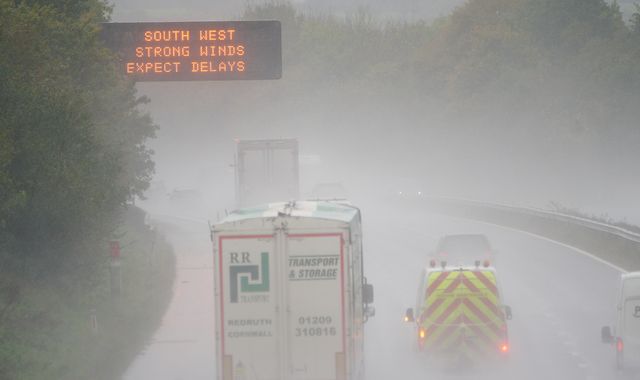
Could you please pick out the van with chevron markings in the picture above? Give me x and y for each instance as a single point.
(290, 294)
(459, 316)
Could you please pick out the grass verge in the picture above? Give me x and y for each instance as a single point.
(46, 329)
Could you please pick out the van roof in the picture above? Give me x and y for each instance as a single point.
(453, 268)
(339, 211)
(630, 275)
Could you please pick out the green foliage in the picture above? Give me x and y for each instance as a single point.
(487, 49)
(46, 330)
(72, 141)
(635, 20)
(566, 26)
(72, 154)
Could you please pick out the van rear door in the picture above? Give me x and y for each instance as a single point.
(631, 324)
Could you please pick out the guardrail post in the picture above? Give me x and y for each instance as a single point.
(93, 320)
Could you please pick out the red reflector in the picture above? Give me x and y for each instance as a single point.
(620, 345)
(341, 366)
(227, 367)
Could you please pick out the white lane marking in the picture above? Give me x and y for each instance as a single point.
(590, 255)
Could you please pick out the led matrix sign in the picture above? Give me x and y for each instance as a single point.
(191, 51)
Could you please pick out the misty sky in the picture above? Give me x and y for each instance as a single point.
(166, 10)
(194, 10)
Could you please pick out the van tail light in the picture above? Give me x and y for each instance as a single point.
(619, 345)
(422, 335)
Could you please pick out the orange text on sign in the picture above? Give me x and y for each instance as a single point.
(217, 34)
(216, 67)
(152, 67)
(222, 51)
(162, 51)
(166, 35)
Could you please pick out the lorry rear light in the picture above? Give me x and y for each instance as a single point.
(619, 345)
(341, 366)
(486, 263)
(432, 263)
(227, 367)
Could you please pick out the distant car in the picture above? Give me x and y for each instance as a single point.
(625, 335)
(187, 203)
(464, 249)
(185, 195)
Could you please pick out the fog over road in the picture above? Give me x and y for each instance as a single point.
(183, 346)
(560, 299)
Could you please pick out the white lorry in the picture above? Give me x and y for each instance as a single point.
(291, 297)
(625, 337)
(266, 170)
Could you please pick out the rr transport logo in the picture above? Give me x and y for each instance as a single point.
(246, 277)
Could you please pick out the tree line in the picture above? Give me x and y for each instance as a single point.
(556, 81)
(72, 138)
(497, 52)
(73, 156)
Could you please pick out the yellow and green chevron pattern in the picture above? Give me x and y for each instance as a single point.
(462, 313)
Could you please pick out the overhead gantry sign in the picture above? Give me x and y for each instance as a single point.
(197, 51)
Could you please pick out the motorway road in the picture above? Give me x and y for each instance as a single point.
(183, 346)
(560, 299)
